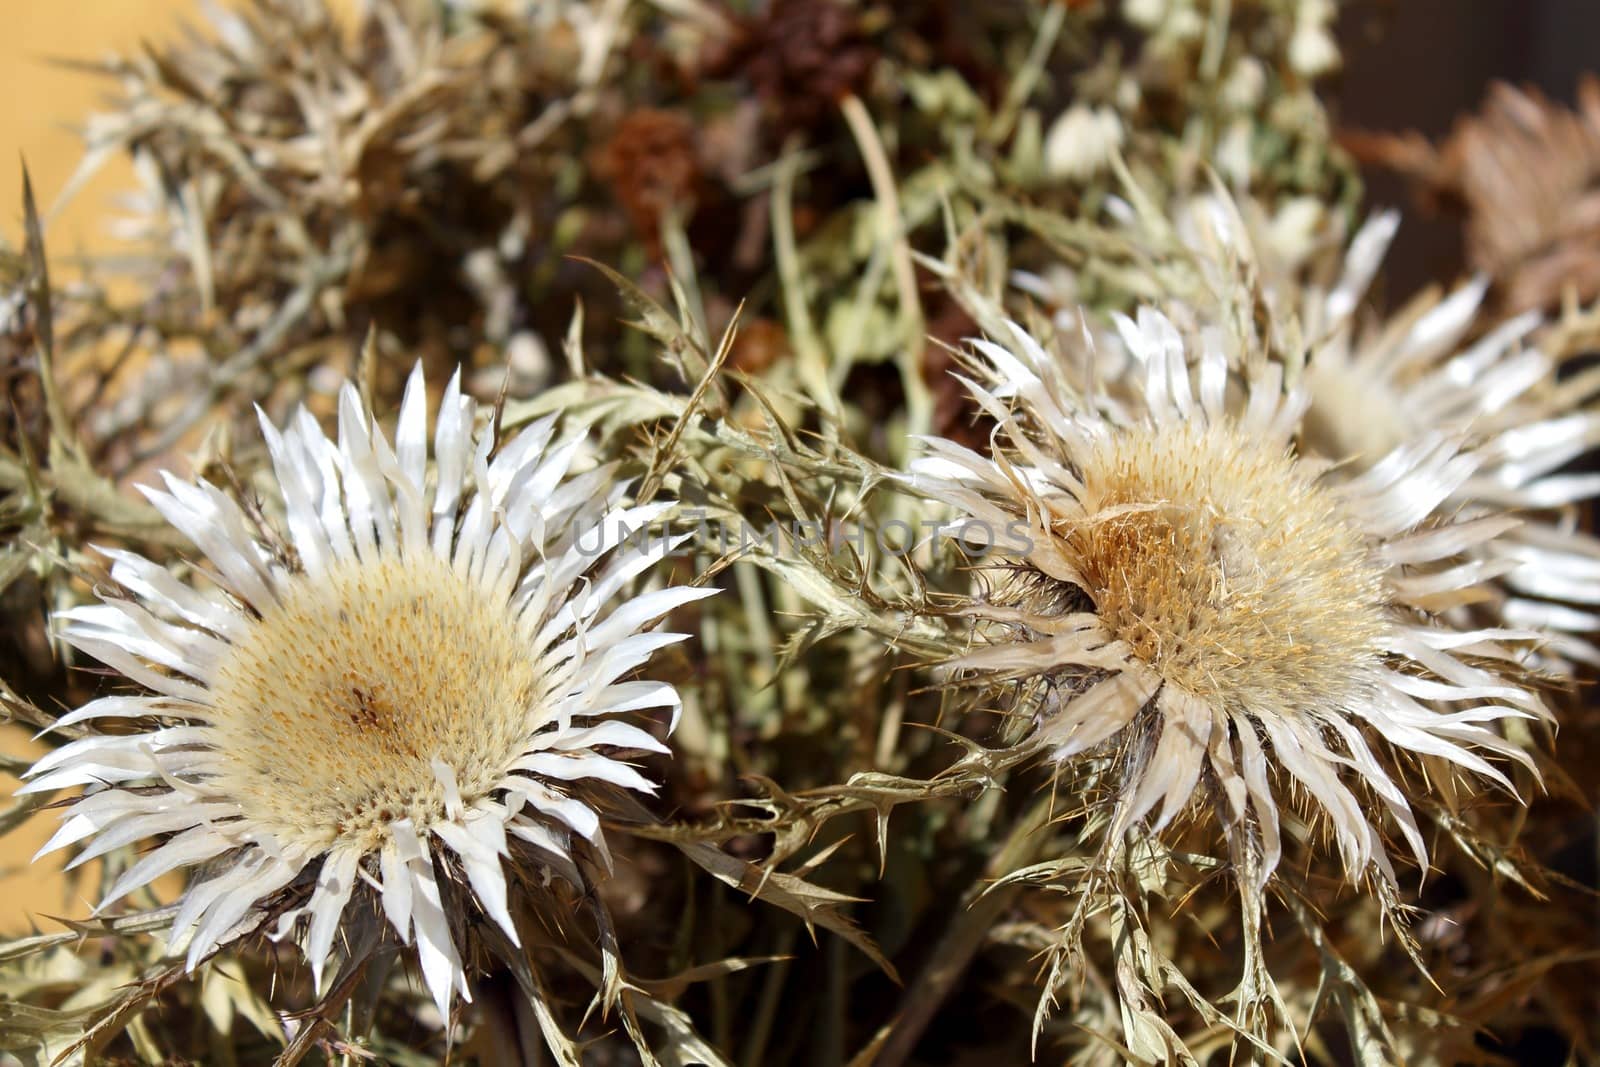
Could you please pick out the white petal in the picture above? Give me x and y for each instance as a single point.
(574, 813)
(629, 617)
(1253, 764)
(1175, 765)
(634, 696)
(193, 846)
(1100, 712)
(334, 884)
(396, 891)
(483, 869)
(1312, 765)
(411, 429)
(441, 966)
(591, 765)
(157, 586)
(139, 827)
(366, 495)
(1361, 262)
(452, 442)
(294, 477)
(215, 524)
(223, 918)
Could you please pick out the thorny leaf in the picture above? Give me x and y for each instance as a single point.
(814, 905)
(684, 1047)
(1370, 1038)
(795, 819)
(675, 338)
(62, 430)
(670, 989)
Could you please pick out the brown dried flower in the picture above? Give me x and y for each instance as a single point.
(759, 345)
(653, 167)
(802, 57)
(1524, 171)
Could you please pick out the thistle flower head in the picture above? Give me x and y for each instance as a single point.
(1437, 365)
(422, 680)
(1214, 611)
(1374, 385)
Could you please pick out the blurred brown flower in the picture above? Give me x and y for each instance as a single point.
(759, 345)
(801, 57)
(1524, 172)
(653, 167)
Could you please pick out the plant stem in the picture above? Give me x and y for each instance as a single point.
(965, 935)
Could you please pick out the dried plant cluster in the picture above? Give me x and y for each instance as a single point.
(673, 532)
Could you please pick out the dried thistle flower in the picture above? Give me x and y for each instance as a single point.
(416, 684)
(1376, 384)
(1203, 605)
(1524, 171)
(1413, 374)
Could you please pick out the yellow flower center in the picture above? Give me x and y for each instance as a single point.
(331, 712)
(1226, 567)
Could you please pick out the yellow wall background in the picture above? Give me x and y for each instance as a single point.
(40, 106)
(41, 103)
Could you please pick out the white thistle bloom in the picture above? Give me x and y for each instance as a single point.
(1213, 612)
(1375, 384)
(417, 691)
(1376, 388)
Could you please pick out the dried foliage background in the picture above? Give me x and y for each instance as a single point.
(741, 238)
(47, 101)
